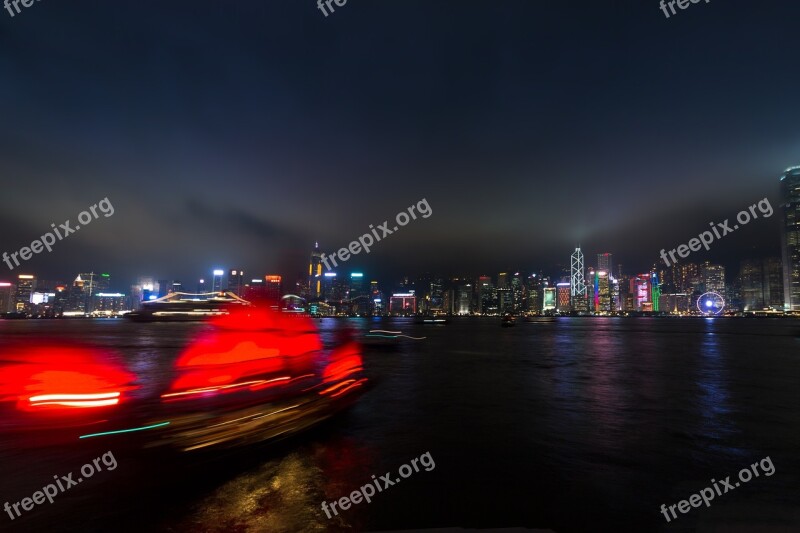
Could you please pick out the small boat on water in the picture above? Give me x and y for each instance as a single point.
(508, 320)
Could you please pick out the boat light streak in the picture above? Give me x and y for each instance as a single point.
(162, 424)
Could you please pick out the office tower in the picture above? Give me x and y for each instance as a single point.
(201, 286)
(314, 286)
(577, 282)
(713, 278)
(502, 280)
(463, 304)
(603, 292)
(486, 303)
(773, 283)
(563, 297)
(518, 292)
(403, 304)
(273, 289)
(751, 279)
(505, 301)
(604, 263)
(255, 291)
(7, 291)
(437, 294)
(535, 293)
(549, 300)
(216, 281)
(327, 290)
(26, 283)
(236, 282)
(640, 290)
(655, 289)
(688, 279)
(176, 286)
(790, 237)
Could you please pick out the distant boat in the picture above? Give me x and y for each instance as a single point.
(173, 308)
(508, 320)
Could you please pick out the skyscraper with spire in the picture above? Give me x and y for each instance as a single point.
(314, 286)
(577, 281)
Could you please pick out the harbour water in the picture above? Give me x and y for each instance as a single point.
(582, 424)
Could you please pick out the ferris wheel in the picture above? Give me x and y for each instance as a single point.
(710, 304)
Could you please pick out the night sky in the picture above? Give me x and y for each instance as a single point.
(234, 134)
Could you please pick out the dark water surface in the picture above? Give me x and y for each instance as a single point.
(575, 425)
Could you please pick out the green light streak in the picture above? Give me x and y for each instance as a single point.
(124, 431)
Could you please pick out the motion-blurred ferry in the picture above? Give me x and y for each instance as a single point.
(185, 307)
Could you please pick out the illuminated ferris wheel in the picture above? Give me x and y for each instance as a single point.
(711, 304)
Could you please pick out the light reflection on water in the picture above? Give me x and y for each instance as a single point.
(527, 424)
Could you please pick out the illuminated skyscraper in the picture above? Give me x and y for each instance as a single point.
(315, 272)
(577, 285)
(273, 289)
(6, 297)
(713, 278)
(22, 296)
(236, 281)
(563, 297)
(216, 284)
(790, 237)
(604, 262)
(773, 282)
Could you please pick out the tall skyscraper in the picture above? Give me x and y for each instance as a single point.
(577, 285)
(713, 278)
(790, 237)
(604, 262)
(315, 272)
(751, 278)
(273, 289)
(6, 297)
(22, 296)
(236, 282)
(216, 283)
(773, 282)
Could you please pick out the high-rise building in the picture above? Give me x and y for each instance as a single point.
(26, 283)
(713, 278)
(773, 282)
(790, 237)
(549, 301)
(216, 282)
(604, 263)
(577, 285)
(563, 297)
(487, 296)
(164, 287)
(505, 301)
(314, 287)
(403, 304)
(236, 282)
(502, 280)
(751, 279)
(273, 289)
(7, 290)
